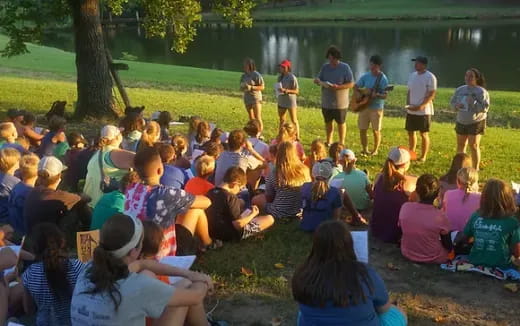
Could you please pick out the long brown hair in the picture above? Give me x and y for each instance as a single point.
(335, 151)
(467, 178)
(392, 178)
(460, 160)
(290, 171)
(151, 134)
(497, 200)
(479, 77)
(331, 272)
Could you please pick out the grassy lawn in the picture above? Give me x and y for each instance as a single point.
(428, 294)
(394, 9)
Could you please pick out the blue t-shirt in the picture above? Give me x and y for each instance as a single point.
(174, 177)
(340, 74)
(7, 183)
(368, 80)
(51, 310)
(363, 314)
(316, 212)
(47, 147)
(16, 205)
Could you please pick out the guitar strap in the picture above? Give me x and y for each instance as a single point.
(378, 82)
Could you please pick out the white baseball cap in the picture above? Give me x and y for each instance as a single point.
(110, 132)
(348, 154)
(51, 165)
(322, 169)
(399, 155)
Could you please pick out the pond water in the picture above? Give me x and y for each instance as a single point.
(452, 47)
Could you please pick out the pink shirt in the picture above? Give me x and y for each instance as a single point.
(422, 225)
(458, 211)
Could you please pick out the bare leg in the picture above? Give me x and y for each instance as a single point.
(173, 316)
(196, 221)
(197, 316)
(260, 201)
(257, 109)
(412, 141)
(329, 130)
(425, 145)
(250, 112)
(294, 118)
(264, 221)
(474, 146)
(377, 141)
(342, 130)
(364, 140)
(462, 142)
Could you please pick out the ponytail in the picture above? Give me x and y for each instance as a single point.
(319, 189)
(467, 178)
(150, 134)
(392, 178)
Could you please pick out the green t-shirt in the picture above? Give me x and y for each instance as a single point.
(108, 205)
(355, 184)
(494, 238)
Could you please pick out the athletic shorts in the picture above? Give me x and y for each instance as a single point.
(369, 117)
(338, 115)
(250, 229)
(476, 128)
(418, 122)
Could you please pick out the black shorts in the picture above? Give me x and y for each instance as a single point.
(338, 115)
(418, 122)
(476, 128)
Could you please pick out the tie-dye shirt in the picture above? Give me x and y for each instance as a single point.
(160, 204)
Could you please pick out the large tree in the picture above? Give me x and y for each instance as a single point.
(24, 21)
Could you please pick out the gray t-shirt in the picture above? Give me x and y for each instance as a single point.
(252, 78)
(230, 159)
(475, 101)
(288, 101)
(141, 296)
(341, 74)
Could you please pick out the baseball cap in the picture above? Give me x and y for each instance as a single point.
(421, 59)
(51, 165)
(399, 155)
(110, 132)
(348, 154)
(322, 170)
(285, 63)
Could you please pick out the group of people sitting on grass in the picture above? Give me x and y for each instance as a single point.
(152, 195)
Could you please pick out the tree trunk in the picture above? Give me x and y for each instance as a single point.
(94, 82)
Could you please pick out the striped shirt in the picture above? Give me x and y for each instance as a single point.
(287, 200)
(50, 309)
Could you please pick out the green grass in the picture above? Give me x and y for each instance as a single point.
(45, 62)
(389, 9)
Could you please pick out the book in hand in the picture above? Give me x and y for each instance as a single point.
(183, 262)
(325, 84)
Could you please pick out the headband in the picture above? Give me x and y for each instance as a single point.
(138, 232)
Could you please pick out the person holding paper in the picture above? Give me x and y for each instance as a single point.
(227, 220)
(423, 225)
(471, 101)
(112, 291)
(335, 79)
(332, 287)
(287, 90)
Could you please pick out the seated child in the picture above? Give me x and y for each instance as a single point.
(77, 144)
(320, 202)
(201, 137)
(494, 227)
(252, 129)
(449, 180)
(133, 126)
(226, 219)
(29, 173)
(174, 210)
(53, 138)
(288, 133)
(113, 202)
(9, 136)
(335, 150)
(29, 132)
(150, 136)
(425, 229)
(9, 163)
(164, 122)
(181, 145)
(199, 185)
(354, 181)
(318, 153)
(173, 176)
(459, 204)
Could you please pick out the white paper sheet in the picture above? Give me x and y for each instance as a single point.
(360, 239)
(336, 183)
(277, 87)
(325, 84)
(183, 262)
(516, 187)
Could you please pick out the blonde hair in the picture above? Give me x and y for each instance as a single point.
(318, 151)
(467, 178)
(290, 171)
(392, 178)
(9, 157)
(29, 166)
(193, 124)
(204, 166)
(180, 144)
(151, 134)
(287, 132)
(7, 129)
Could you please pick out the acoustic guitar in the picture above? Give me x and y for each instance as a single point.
(361, 98)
